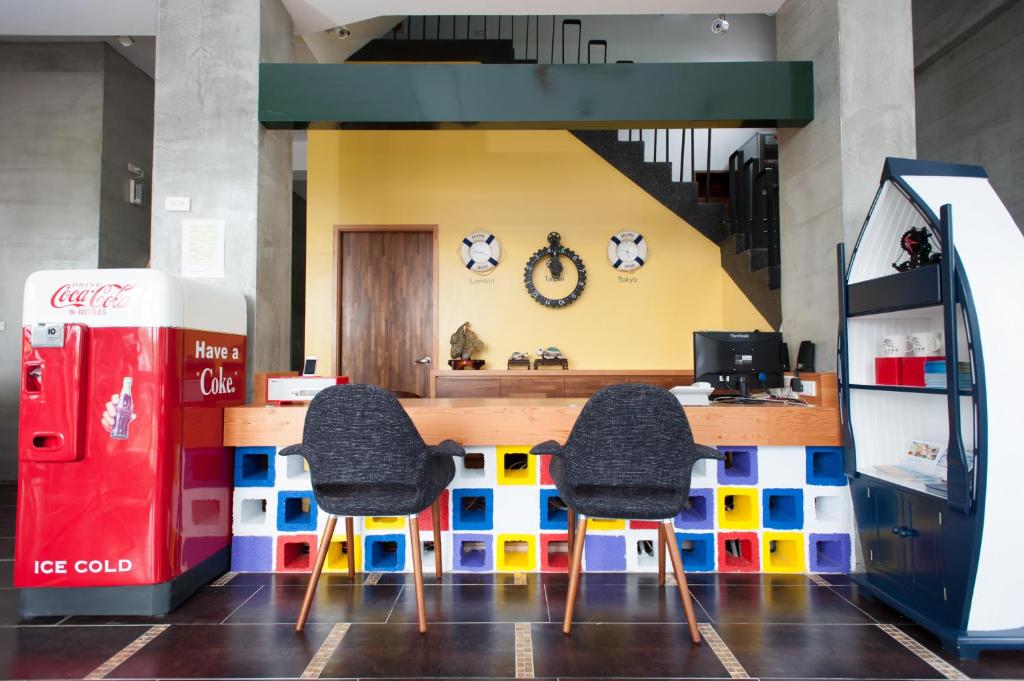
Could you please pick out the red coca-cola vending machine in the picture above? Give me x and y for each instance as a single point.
(124, 485)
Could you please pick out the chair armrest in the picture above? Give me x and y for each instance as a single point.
(705, 452)
(290, 450)
(446, 448)
(548, 447)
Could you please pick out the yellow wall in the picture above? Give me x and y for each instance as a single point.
(520, 185)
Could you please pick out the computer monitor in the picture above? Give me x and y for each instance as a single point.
(736, 360)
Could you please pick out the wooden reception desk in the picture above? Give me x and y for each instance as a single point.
(498, 421)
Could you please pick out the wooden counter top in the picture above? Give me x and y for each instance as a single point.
(517, 421)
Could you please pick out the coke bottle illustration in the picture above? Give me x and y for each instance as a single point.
(123, 414)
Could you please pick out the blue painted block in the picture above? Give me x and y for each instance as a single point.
(825, 466)
(296, 512)
(252, 554)
(553, 513)
(605, 552)
(782, 509)
(699, 513)
(473, 509)
(697, 550)
(739, 467)
(384, 553)
(829, 552)
(254, 466)
(474, 552)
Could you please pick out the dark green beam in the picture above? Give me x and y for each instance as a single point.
(526, 96)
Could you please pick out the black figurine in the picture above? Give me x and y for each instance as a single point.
(916, 243)
(554, 262)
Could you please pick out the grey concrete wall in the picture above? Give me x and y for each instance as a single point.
(208, 145)
(969, 59)
(127, 138)
(828, 170)
(51, 108)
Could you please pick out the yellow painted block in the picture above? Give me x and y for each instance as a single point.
(599, 524)
(513, 469)
(783, 552)
(384, 522)
(337, 559)
(517, 552)
(738, 508)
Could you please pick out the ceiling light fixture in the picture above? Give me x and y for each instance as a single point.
(126, 40)
(720, 25)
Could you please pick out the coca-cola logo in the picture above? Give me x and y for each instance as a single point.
(91, 296)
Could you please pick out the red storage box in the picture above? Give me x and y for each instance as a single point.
(887, 370)
(912, 370)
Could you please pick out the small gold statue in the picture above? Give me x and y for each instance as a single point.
(465, 343)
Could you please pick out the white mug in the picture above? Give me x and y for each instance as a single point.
(896, 346)
(926, 344)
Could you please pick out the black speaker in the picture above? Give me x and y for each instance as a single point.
(805, 357)
(784, 356)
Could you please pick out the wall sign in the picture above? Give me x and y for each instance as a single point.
(554, 252)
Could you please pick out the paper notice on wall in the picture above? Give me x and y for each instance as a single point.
(202, 248)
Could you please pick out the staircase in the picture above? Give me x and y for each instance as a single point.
(745, 232)
(749, 267)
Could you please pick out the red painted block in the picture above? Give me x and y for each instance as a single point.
(427, 518)
(295, 553)
(749, 558)
(887, 370)
(554, 558)
(912, 369)
(643, 524)
(545, 470)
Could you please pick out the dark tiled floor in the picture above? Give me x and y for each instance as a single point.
(778, 626)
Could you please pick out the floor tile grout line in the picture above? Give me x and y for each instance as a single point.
(861, 610)
(327, 649)
(398, 597)
(722, 652)
(241, 605)
(121, 656)
(547, 603)
(930, 658)
(523, 650)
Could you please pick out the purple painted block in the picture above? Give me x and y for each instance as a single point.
(605, 552)
(252, 554)
(740, 466)
(474, 552)
(829, 552)
(700, 514)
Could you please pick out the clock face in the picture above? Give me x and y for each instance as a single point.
(556, 259)
(480, 252)
(627, 251)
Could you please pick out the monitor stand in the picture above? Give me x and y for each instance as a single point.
(741, 386)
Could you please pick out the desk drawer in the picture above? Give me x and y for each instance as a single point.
(468, 387)
(533, 386)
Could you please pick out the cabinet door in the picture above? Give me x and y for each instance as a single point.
(533, 386)
(467, 387)
(889, 545)
(924, 519)
(585, 386)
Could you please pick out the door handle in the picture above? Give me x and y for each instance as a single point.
(423, 360)
(903, 531)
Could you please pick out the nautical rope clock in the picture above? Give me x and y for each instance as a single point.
(480, 252)
(627, 251)
(554, 252)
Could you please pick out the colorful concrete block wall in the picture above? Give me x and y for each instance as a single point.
(763, 509)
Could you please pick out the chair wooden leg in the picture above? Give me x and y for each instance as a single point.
(661, 555)
(314, 577)
(417, 570)
(571, 535)
(684, 589)
(435, 517)
(350, 538)
(574, 573)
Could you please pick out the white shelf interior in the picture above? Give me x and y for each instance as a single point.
(865, 334)
(891, 215)
(885, 423)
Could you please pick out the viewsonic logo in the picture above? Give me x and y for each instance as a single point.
(91, 296)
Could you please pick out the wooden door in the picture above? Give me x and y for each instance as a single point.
(386, 301)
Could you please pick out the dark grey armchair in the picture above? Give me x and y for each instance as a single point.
(366, 458)
(630, 455)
